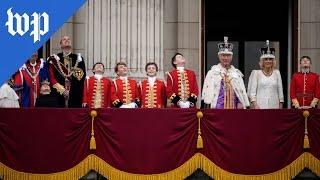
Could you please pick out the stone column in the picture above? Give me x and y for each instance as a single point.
(182, 33)
(310, 32)
(112, 30)
(127, 30)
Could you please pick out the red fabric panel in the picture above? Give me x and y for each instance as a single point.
(43, 140)
(252, 141)
(314, 133)
(148, 141)
(137, 141)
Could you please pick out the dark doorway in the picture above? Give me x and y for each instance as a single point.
(248, 24)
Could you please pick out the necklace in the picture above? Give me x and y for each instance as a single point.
(71, 70)
(267, 73)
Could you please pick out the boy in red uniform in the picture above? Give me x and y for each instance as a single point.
(305, 86)
(124, 91)
(182, 87)
(153, 90)
(97, 89)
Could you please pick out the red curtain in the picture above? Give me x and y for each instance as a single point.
(150, 141)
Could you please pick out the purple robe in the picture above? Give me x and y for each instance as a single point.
(220, 101)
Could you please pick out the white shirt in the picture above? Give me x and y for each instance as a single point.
(267, 91)
(180, 69)
(151, 80)
(98, 76)
(123, 78)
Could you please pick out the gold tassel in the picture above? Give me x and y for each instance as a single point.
(93, 142)
(199, 140)
(306, 144)
(92, 139)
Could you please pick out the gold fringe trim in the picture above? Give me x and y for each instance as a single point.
(306, 160)
(93, 162)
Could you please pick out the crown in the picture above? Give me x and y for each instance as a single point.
(225, 47)
(267, 52)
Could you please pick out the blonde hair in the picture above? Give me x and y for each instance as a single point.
(274, 64)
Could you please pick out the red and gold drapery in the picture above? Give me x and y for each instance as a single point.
(157, 143)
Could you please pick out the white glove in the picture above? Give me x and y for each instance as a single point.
(124, 106)
(132, 105)
(187, 104)
(184, 104)
(79, 57)
(56, 57)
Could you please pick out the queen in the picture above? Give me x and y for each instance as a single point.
(265, 85)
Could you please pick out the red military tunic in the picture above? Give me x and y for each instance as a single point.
(97, 94)
(182, 86)
(124, 92)
(153, 97)
(304, 89)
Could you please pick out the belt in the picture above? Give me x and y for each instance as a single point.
(305, 94)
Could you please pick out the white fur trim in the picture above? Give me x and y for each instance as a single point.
(225, 52)
(212, 84)
(264, 56)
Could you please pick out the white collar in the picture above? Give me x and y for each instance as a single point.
(220, 68)
(33, 64)
(98, 76)
(180, 69)
(305, 70)
(123, 78)
(151, 80)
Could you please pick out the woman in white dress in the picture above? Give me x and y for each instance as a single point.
(8, 97)
(265, 86)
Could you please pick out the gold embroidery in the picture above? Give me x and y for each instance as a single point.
(183, 86)
(98, 95)
(78, 73)
(126, 92)
(228, 94)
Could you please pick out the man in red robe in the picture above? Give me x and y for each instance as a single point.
(305, 86)
(153, 90)
(124, 91)
(182, 87)
(97, 89)
(29, 78)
